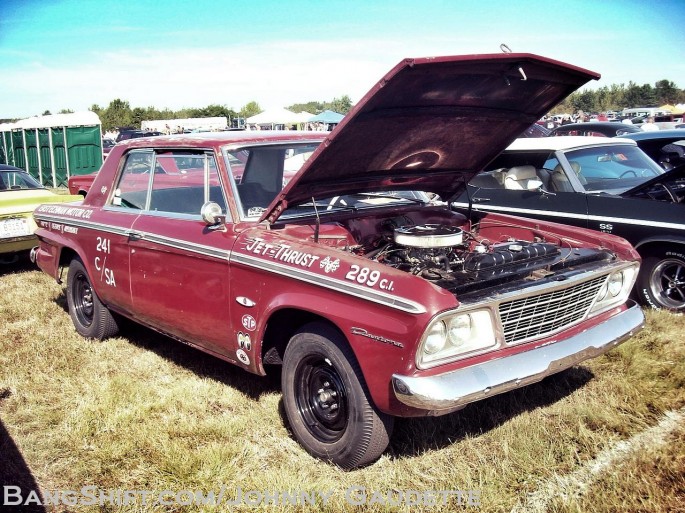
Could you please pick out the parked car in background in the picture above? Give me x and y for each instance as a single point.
(665, 147)
(375, 301)
(126, 134)
(536, 130)
(595, 129)
(107, 145)
(608, 185)
(20, 194)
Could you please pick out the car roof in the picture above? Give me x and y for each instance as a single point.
(213, 139)
(5, 167)
(565, 143)
(656, 134)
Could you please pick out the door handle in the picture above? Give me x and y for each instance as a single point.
(133, 236)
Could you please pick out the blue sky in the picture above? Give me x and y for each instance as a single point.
(71, 54)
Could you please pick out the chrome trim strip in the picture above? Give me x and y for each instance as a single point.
(376, 296)
(187, 246)
(569, 215)
(450, 391)
(150, 237)
(116, 230)
(379, 297)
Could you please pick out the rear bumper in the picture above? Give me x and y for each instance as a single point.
(444, 393)
(17, 244)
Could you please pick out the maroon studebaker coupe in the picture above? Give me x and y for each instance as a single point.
(355, 274)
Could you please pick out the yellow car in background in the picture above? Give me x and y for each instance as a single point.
(20, 194)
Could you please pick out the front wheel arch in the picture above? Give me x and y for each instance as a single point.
(327, 401)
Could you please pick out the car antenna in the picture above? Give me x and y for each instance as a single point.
(318, 221)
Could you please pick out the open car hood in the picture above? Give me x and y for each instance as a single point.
(431, 124)
(668, 178)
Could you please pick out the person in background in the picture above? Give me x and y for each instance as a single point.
(649, 124)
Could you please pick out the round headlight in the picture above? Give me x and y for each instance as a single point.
(459, 329)
(435, 340)
(615, 284)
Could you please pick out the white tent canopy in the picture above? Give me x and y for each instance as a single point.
(278, 117)
(85, 118)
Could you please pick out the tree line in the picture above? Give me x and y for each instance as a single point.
(120, 114)
(616, 97)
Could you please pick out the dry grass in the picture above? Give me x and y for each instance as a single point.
(142, 412)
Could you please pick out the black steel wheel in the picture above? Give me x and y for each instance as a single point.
(661, 283)
(91, 318)
(327, 402)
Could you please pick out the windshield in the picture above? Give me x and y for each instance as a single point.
(17, 180)
(612, 167)
(259, 173)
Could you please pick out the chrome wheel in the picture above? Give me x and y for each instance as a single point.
(667, 283)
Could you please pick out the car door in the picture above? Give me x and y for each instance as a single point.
(636, 219)
(107, 247)
(180, 272)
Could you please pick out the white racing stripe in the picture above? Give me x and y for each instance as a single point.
(577, 483)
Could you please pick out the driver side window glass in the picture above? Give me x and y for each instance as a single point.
(131, 190)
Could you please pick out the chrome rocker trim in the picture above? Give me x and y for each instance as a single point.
(451, 391)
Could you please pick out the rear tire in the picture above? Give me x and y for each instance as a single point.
(327, 401)
(661, 282)
(91, 318)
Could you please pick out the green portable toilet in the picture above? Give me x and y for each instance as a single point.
(6, 153)
(53, 148)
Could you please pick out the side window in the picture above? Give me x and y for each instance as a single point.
(178, 183)
(169, 182)
(131, 190)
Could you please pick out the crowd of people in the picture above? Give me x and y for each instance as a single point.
(646, 122)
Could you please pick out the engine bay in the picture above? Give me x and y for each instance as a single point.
(445, 249)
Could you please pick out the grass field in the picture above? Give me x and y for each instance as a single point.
(141, 412)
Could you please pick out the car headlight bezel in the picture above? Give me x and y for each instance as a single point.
(464, 334)
(616, 289)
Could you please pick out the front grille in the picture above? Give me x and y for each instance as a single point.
(545, 314)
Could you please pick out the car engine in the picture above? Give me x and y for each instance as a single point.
(460, 261)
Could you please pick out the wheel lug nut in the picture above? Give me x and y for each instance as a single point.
(334, 406)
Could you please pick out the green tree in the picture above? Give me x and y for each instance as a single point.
(117, 115)
(313, 107)
(666, 92)
(341, 105)
(250, 109)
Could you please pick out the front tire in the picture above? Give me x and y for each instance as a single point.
(91, 318)
(327, 402)
(661, 283)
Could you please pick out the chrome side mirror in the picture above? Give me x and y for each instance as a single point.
(213, 215)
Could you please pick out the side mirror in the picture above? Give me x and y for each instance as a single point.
(212, 214)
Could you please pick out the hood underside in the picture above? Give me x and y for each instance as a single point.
(431, 124)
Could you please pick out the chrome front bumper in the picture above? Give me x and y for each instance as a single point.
(444, 393)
